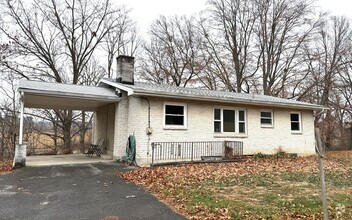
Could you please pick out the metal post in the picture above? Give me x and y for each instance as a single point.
(321, 155)
(20, 138)
(323, 188)
(152, 153)
(224, 150)
(192, 152)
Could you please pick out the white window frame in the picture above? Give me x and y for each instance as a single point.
(299, 122)
(217, 120)
(184, 126)
(272, 118)
(237, 121)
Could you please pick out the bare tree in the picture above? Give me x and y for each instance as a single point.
(56, 40)
(172, 55)
(328, 58)
(329, 61)
(283, 27)
(228, 40)
(8, 117)
(121, 40)
(90, 76)
(345, 89)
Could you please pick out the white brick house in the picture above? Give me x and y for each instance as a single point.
(163, 113)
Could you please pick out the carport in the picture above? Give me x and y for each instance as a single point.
(58, 96)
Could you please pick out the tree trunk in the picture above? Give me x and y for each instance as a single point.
(56, 133)
(67, 132)
(2, 144)
(83, 131)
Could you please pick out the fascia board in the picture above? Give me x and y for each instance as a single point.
(118, 86)
(66, 94)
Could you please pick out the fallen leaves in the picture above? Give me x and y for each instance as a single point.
(5, 166)
(167, 182)
(172, 176)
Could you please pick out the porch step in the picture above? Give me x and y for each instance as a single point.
(106, 157)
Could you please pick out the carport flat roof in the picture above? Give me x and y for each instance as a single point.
(37, 94)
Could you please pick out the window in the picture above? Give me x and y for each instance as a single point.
(241, 122)
(217, 120)
(295, 122)
(266, 118)
(175, 115)
(229, 120)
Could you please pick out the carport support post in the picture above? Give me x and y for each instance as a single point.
(21, 149)
(20, 138)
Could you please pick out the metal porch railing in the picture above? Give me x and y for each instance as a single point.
(180, 152)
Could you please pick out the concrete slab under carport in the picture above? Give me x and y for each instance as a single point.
(68, 159)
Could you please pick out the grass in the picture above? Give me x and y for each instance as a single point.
(268, 196)
(260, 189)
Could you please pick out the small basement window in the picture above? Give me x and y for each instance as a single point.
(266, 118)
(296, 125)
(175, 116)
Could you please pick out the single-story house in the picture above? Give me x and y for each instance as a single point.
(168, 114)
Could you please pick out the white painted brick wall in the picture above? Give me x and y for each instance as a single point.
(110, 136)
(104, 122)
(121, 127)
(200, 128)
(100, 121)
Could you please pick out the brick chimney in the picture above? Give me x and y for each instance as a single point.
(125, 69)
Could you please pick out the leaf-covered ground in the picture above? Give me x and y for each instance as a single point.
(257, 188)
(5, 166)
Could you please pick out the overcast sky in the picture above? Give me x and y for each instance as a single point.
(337, 7)
(145, 11)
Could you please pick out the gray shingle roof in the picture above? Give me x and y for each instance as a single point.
(211, 95)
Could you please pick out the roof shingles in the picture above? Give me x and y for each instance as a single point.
(167, 90)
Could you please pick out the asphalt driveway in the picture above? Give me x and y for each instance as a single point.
(89, 191)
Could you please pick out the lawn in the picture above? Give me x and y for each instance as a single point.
(260, 187)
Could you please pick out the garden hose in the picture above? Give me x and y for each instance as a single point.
(131, 150)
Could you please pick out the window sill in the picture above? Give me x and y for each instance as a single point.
(174, 128)
(222, 135)
(267, 126)
(296, 132)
